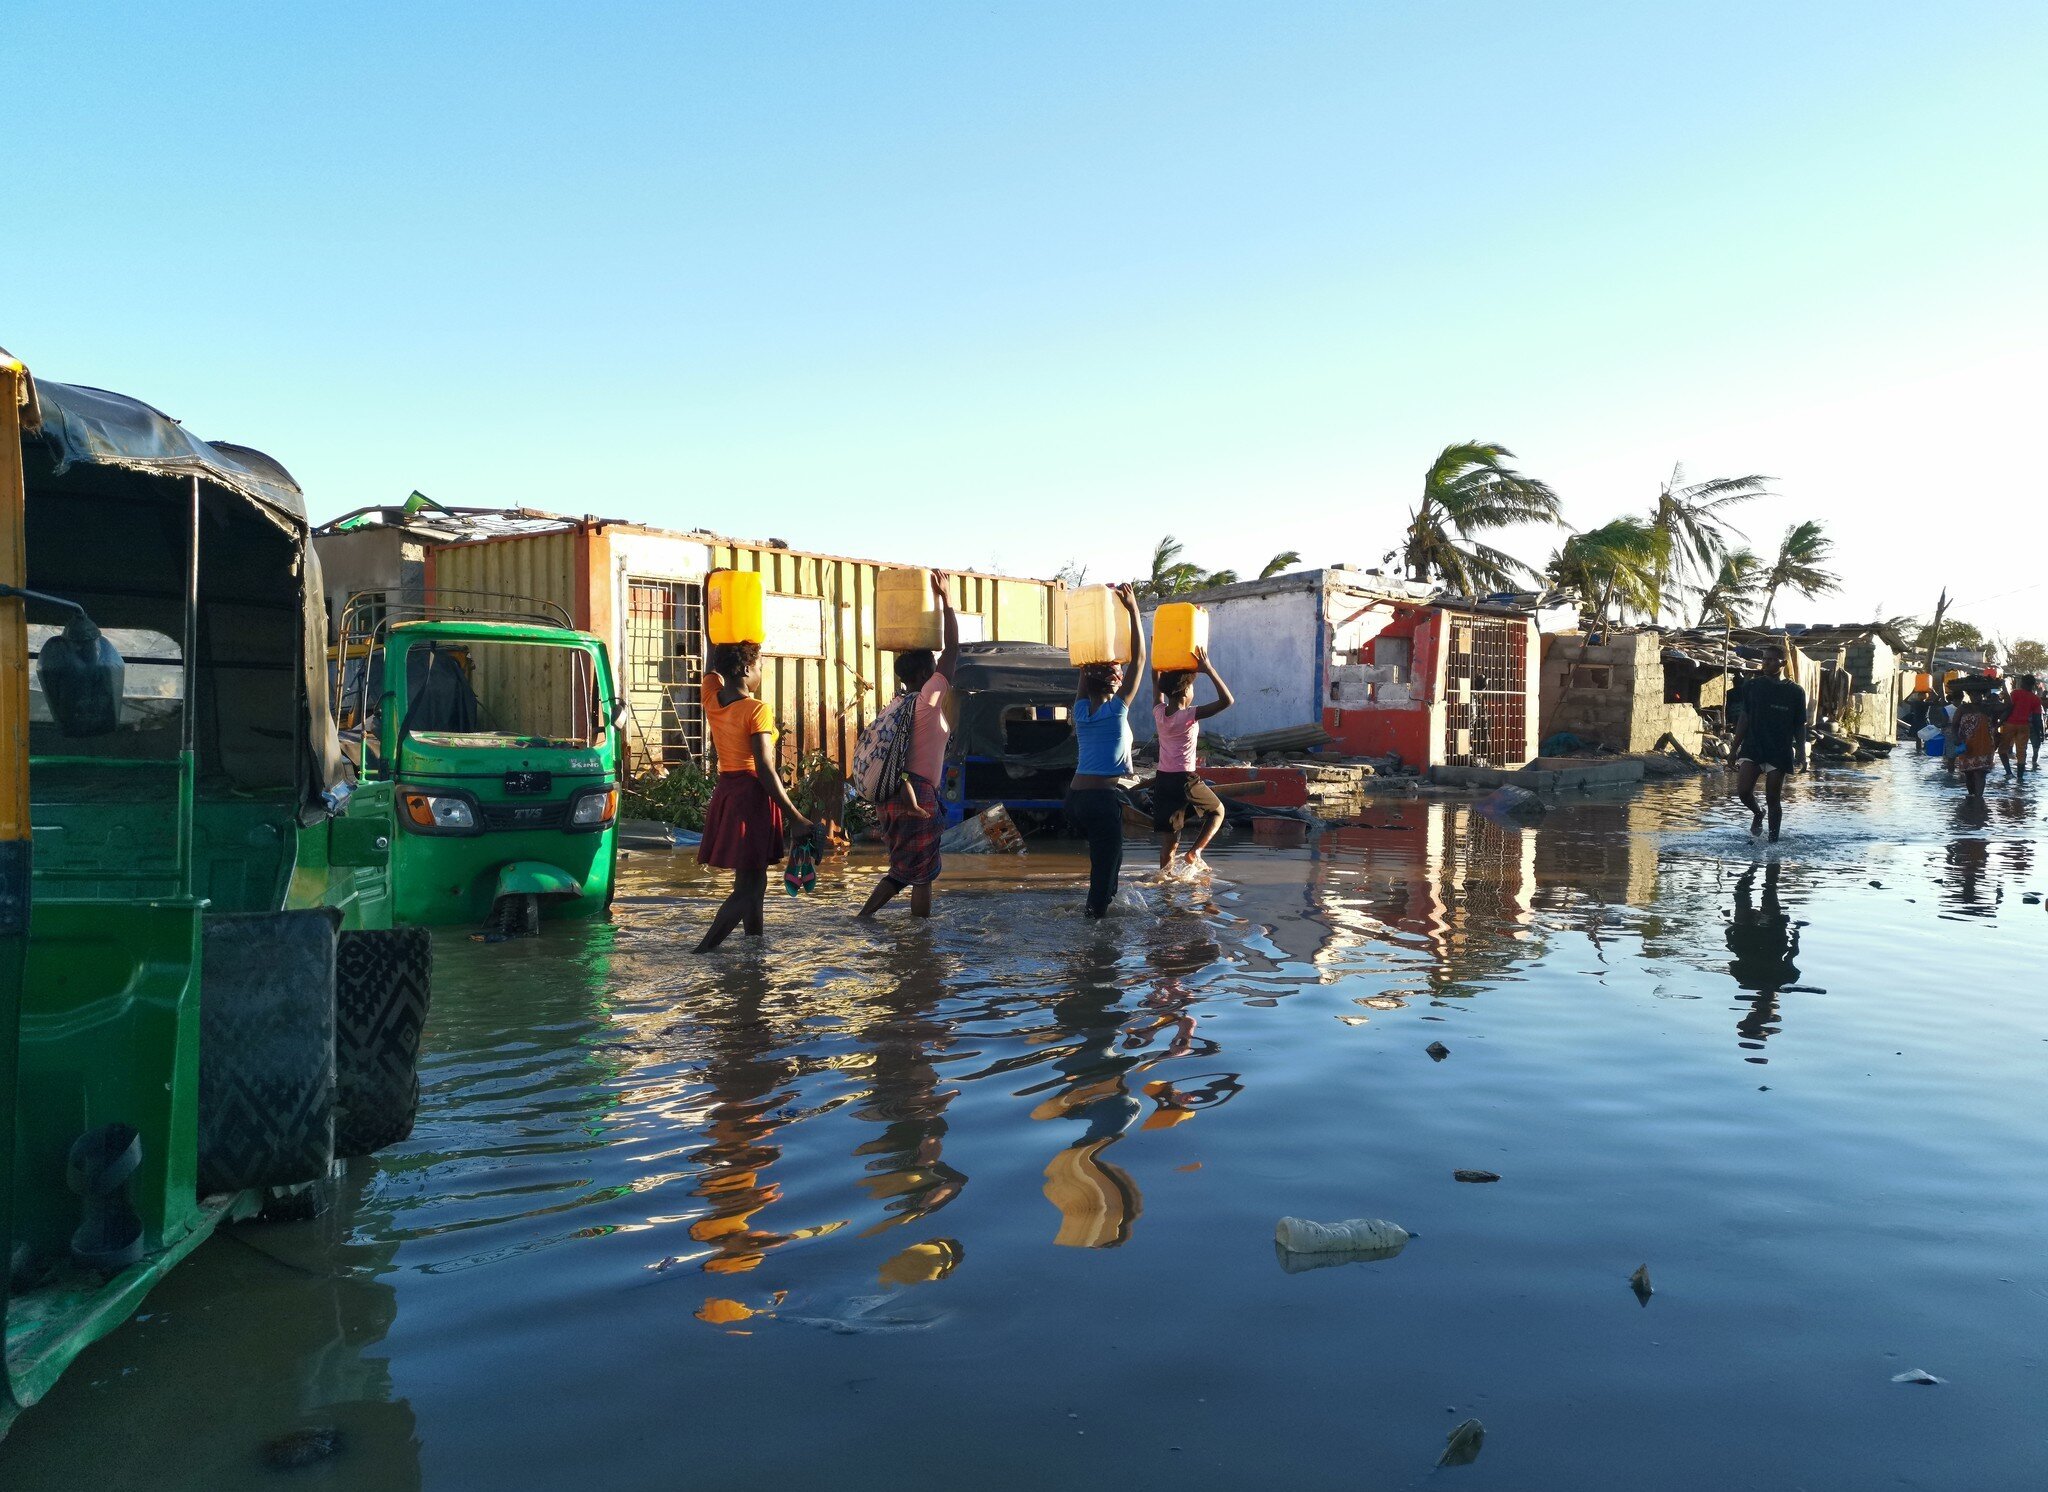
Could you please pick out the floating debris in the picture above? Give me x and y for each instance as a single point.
(1355, 1020)
(873, 1314)
(1437, 1051)
(1461, 1446)
(1917, 1375)
(302, 1447)
(1383, 1002)
(1361, 1237)
(1475, 1175)
(1640, 1283)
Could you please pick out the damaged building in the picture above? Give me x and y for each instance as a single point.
(641, 590)
(1389, 668)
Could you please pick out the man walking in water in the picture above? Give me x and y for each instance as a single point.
(1770, 741)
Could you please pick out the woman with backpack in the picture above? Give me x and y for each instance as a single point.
(1102, 727)
(750, 808)
(906, 761)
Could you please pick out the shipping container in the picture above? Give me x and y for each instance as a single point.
(642, 590)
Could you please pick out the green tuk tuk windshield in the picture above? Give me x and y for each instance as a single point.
(471, 693)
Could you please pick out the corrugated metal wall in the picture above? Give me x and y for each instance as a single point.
(821, 704)
(549, 567)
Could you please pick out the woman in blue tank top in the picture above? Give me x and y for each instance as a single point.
(1102, 729)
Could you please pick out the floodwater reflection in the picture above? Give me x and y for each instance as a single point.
(888, 1174)
(1765, 942)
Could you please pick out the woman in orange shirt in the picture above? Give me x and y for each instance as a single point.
(743, 826)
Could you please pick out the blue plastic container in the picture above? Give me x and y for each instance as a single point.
(1937, 746)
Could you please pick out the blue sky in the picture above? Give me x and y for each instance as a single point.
(1013, 285)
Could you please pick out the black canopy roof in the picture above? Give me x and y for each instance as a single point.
(87, 426)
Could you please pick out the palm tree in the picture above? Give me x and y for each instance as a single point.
(1612, 566)
(1801, 553)
(1689, 524)
(1173, 576)
(1170, 573)
(1733, 590)
(1468, 491)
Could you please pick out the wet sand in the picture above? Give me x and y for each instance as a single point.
(991, 1201)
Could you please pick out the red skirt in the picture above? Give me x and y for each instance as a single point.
(742, 825)
(914, 842)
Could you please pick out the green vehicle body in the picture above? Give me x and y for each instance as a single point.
(545, 751)
(224, 800)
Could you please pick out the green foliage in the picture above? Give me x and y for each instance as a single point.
(680, 795)
(1467, 491)
(1287, 559)
(2027, 656)
(1692, 530)
(818, 788)
(1613, 566)
(1954, 634)
(1800, 566)
(677, 796)
(1173, 576)
(1738, 580)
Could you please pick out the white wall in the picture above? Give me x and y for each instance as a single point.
(1268, 649)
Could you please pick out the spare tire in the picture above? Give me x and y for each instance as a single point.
(266, 1050)
(383, 981)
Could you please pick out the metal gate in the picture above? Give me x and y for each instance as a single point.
(664, 653)
(1486, 715)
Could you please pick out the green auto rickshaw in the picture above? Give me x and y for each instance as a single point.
(204, 1007)
(496, 725)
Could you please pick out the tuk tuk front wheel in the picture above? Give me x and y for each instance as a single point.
(515, 916)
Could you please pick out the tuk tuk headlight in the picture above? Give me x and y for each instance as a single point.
(594, 810)
(437, 814)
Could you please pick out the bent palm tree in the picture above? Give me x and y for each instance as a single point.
(1284, 560)
(1612, 566)
(1469, 491)
(1801, 554)
(1733, 590)
(1689, 523)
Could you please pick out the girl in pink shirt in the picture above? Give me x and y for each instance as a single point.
(1177, 792)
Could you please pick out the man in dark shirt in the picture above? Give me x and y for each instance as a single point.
(1770, 741)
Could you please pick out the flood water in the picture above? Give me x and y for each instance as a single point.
(990, 1202)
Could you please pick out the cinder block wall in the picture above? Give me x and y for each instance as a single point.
(1611, 692)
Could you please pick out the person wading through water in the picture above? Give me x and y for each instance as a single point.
(1102, 728)
(1176, 791)
(1972, 743)
(1770, 741)
(911, 821)
(750, 808)
(2027, 707)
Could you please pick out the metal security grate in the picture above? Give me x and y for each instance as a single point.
(664, 664)
(1485, 690)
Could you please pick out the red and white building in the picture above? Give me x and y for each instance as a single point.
(1388, 667)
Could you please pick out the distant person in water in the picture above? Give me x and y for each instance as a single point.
(1972, 743)
(1102, 730)
(911, 821)
(750, 809)
(2022, 725)
(1177, 793)
(1769, 742)
(2037, 718)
